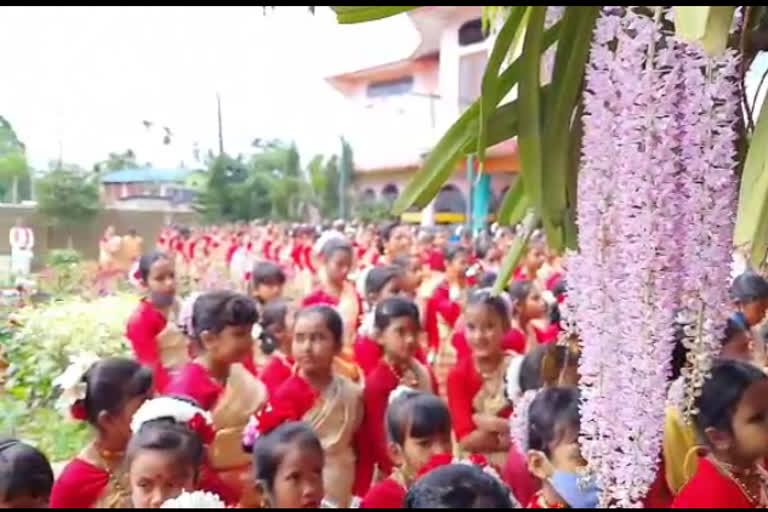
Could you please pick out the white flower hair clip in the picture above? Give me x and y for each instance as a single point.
(196, 499)
(512, 379)
(73, 387)
(197, 419)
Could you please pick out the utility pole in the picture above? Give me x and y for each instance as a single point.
(221, 134)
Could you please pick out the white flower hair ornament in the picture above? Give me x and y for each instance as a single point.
(73, 386)
(180, 411)
(196, 499)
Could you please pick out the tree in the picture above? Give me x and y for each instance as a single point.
(118, 161)
(15, 182)
(68, 196)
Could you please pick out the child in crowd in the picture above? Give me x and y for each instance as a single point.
(381, 282)
(267, 283)
(443, 310)
(458, 486)
(553, 450)
(277, 321)
(288, 465)
(418, 427)
(732, 420)
(476, 393)
(26, 477)
(155, 336)
(397, 330)
(750, 294)
(335, 290)
(166, 454)
(530, 316)
(222, 324)
(329, 403)
(115, 388)
(413, 275)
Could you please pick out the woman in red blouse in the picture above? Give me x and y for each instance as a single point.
(476, 392)
(157, 340)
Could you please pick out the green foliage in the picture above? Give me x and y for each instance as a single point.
(118, 161)
(270, 183)
(15, 181)
(41, 348)
(60, 257)
(67, 196)
(373, 212)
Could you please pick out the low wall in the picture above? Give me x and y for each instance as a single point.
(86, 238)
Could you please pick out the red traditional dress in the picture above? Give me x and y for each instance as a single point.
(372, 441)
(516, 475)
(443, 310)
(389, 493)
(368, 353)
(231, 405)
(335, 416)
(157, 342)
(538, 501)
(470, 393)
(278, 369)
(712, 488)
(92, 480)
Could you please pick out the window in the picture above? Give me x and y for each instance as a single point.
(471, 32)
(389, 193)
(390, 87)
(471, 69)
(450, 200)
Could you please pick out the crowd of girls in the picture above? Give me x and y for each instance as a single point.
(374, 370)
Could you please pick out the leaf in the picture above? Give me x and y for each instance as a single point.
(705, 25)
(442, 160)
(491, 76)
(752, 217)
(567, 83)
(529, 137)
(360, 14)
(515, 252)
(514, 206)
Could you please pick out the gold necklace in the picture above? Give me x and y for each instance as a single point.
(742, 481)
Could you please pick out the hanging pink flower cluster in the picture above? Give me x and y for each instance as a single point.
(655, 215)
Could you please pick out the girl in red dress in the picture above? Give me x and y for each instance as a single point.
(443, 310)
(329, 403)
(476, 392)
(289, 463)
(733, 422)
(26, 477)
(157, 340)
(395, 240)
(336, 290)
(222, 325)
(530, 319)
(115, 388)
(381, 282)
(418, 428)
(397, 329)
(167, 453)
(554, 456)
(277, 320)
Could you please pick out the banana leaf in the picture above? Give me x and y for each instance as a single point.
(752, 217)
(360, 14)
(705, 25)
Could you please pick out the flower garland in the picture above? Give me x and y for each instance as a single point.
(656, 196)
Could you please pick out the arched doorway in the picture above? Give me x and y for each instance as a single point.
(450, 200)
(389, 193)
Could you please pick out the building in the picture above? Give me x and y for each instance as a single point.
(402, 108)
(150, 189)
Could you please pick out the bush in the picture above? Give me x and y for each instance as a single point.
(60, 257)
(48, 336)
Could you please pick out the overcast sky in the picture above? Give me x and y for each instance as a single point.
(83, 78)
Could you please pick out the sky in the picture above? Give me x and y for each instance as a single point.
(79, 81)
